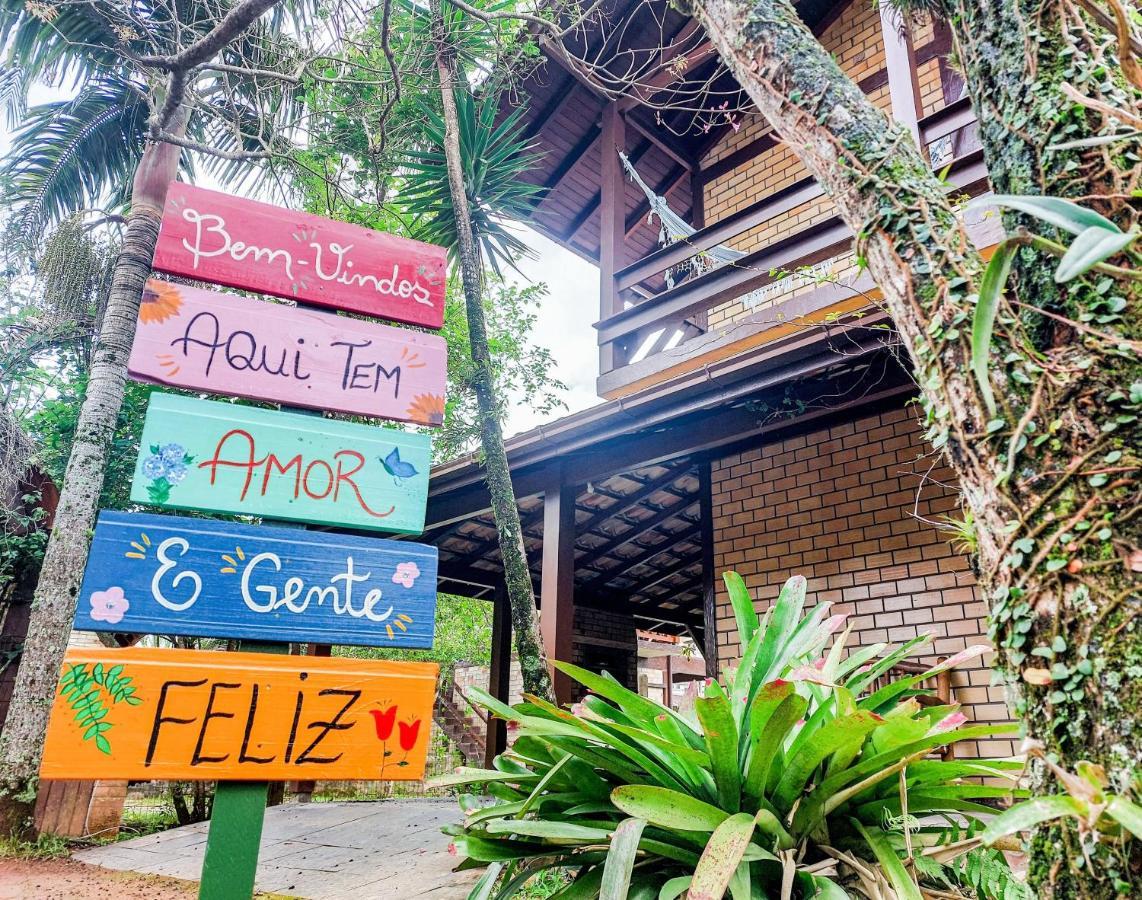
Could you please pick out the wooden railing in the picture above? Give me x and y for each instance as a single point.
(652, 332)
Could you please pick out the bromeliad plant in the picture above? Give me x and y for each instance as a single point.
(805, 775)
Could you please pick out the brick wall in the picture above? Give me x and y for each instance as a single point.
(851, 508)
(607, 640)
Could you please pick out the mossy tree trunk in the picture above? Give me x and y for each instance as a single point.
(497, 473)
(1052, 476)
(53, 606)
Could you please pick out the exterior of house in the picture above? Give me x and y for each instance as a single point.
(747, 420)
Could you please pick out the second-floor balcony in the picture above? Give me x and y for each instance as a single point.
(716, 249)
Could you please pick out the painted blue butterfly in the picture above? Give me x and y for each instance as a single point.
(397, 467)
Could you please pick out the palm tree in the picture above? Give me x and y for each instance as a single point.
(463, 188)
(79, 153)
(181, 70)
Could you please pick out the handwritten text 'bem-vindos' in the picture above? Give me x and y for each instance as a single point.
(212, 236)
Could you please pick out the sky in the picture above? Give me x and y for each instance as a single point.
(565, 324)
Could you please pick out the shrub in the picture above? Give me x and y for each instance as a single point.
(800, 778)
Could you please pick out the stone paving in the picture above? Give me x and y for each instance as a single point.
(391, 850)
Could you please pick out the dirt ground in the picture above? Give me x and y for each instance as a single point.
(66, 879)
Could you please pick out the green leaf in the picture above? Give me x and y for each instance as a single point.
(903, 883)
(1055, 211)
(557, 832)
(835, 735)
(620, 859)
(103, 744)
(1026, 815)
(1126, 814)
(742, 604)
(1091, 247)
(768, 744)
(722, 745)
(721, 858)
(666, 808)
(675, 887)
(983, 321)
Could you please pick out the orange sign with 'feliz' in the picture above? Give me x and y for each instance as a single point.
(146, 713)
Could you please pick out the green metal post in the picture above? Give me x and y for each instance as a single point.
(236, 818)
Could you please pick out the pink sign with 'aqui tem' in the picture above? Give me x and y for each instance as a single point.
(224, 344)
(210, 236)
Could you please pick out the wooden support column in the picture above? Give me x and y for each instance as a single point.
(612, 222)
(709, 576)
(900, 61)
(499, 673)
(557, 586)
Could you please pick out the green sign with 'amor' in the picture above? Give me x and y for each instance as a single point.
(222, 457)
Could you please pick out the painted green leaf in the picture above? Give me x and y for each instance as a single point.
(103, 744)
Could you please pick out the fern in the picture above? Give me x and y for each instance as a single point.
(985, 873)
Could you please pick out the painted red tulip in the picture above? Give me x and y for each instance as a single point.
(384, 722)
(408, 733)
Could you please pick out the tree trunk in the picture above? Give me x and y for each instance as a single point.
(521, 596)
(1051, 477)
(53, 606)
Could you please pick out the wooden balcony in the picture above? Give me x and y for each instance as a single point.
(676, 313)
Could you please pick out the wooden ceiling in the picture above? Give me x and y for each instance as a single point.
(564, 120)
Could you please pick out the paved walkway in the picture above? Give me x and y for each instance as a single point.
(322, 851)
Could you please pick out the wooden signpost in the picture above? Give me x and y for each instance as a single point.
(248, 718)
(151, 574)
(148, 713)
(209, 236)
(221, 457)
(203, 340)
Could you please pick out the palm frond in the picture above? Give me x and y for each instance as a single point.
(495, 158)
(72, 155)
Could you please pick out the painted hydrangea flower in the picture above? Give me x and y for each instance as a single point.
(176, 473)
(172, 454)
(109, 606)
(406, 574)
(154, 467)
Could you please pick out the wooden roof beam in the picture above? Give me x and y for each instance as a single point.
(633, 499)
(637, 530)
(629, 565)
(589, 210)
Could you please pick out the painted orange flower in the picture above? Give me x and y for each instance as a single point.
(161, 300)
(428, 409)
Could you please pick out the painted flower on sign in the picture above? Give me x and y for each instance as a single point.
(427, 409)
(109, 606)
(384, 722)
(408, 734)
(406, 574)
(160, 301)
(166, 466)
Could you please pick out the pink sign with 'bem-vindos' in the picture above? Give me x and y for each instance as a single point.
(245, 244)
(207, 341)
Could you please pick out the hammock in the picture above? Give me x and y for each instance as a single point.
(674, 229)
